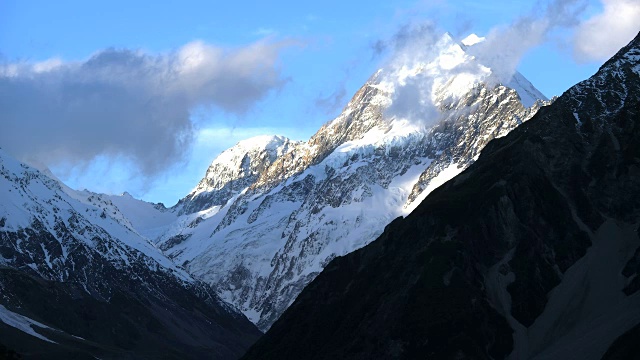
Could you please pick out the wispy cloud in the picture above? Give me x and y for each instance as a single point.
(602, 35)
(502, 51)
(412, 46)
(125, 104)
(263, 32)
(407, 41)
(505, 46)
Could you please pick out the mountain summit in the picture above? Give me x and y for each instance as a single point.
(531, 253)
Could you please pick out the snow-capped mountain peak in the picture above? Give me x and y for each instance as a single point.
(434, 67)
(472, 39)
(234, 170)
(415, 124)
(442, 73)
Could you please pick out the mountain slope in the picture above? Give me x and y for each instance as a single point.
(531, 253)
(411, 127)
(77, 278)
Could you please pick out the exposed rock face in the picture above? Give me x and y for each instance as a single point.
(76, 280)
(335, 193)
(531, 253)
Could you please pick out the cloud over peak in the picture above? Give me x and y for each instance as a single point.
(505, 46)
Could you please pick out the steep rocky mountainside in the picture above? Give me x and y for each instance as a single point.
(531, 253)
(303, 204)
(77, 280)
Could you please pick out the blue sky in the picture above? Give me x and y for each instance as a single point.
(278, 67)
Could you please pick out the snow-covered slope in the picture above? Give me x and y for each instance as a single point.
(86, 259)
(415, 124)
(149, 220)
(29, 199)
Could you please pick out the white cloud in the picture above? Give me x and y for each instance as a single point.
(47, 65)
(410, 48)
(128, 105)
(601, 36)
(505, 46)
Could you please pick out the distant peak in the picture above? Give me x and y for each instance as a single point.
(447, 36)
(261, 141)
(472, 40)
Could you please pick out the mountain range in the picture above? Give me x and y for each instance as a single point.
(501, 261)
